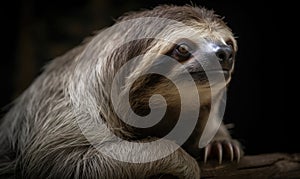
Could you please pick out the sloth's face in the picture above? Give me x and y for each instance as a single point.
(209, 63)
(205, 59)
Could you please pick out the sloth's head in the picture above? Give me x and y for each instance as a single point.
(197, 39)
(175, 41)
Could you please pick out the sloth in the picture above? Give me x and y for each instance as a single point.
(73, 121)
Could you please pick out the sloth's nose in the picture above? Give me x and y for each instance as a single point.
(224, 53)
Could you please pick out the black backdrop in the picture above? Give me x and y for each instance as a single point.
(33, 32)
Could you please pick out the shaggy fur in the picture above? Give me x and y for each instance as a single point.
(40, 136)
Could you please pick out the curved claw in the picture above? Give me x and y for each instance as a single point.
(237, 151)
(207, 152)
(220, 152)
(230, 148)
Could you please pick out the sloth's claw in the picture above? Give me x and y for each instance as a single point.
(207, 152)
(220, 152)
(237, 150)
(229, 148)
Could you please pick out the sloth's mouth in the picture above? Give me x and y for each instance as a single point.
(210, 77)
(217, 71)
(210, 73)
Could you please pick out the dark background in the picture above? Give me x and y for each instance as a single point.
(34, 32)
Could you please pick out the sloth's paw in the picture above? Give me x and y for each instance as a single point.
(223, 150)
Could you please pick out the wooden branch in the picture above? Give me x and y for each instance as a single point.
(264, 166)
(277, 165)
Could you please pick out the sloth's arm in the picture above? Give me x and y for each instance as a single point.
(87, 162)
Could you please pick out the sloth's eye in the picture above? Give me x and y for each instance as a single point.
(182, 51)
(230, 43)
